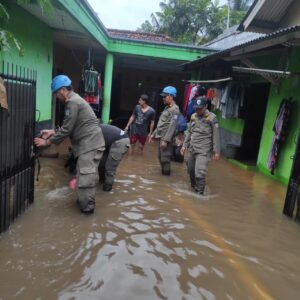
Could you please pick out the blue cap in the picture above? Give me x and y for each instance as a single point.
(200, 102)
(169, 90)
(59, 82)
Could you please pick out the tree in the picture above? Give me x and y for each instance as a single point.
(240, 5)
(7, 38)
(238, 9)
(194, 21)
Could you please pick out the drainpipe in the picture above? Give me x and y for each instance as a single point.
(109, 64)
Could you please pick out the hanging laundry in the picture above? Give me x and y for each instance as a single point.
(90, 81)
(216, 101)
(187, 92)
(194, 92)
(232, 100)
(280, 131)
(191, 93)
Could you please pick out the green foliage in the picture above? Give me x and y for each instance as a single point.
(7, 38)
(194, 21)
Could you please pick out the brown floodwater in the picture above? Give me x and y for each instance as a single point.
(153, 238)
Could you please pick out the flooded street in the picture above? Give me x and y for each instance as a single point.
(153, 238)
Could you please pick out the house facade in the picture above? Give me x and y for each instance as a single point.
(71, 38)
(267, 66)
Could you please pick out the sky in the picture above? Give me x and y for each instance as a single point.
(125, 14)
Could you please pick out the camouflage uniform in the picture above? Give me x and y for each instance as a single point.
(202, 140)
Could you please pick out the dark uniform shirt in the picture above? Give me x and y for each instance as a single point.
(81, 126)
(112, 133)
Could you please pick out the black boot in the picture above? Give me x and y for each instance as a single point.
(193, 182)
(200, 186)
(89, 209)
(107, 187)
(166, 169)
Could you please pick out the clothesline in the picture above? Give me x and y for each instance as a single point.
(208, 81)
(274, 73)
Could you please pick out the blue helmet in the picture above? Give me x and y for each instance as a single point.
(59, 82)
(169, 90)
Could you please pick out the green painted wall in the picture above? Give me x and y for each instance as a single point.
(37, 42)
(232, 125)
(289, 88)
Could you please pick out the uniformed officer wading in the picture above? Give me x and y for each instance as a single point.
(166, 128)
(81, 126)
(203, 142)
(117, 144)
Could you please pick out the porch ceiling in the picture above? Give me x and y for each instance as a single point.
(66, 31)
(146, 63)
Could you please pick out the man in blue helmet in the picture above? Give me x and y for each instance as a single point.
(166, 128)
(81, 126)
(203, 142)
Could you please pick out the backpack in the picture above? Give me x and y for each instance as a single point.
(182, 124)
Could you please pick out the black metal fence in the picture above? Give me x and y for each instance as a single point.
(292, 198)
(16, 143)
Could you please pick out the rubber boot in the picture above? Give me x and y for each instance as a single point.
(166, 169)
(200, 186)
(88, 210)
(107, 187)
(193, 182)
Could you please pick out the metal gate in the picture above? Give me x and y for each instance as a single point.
(16, 143)
(293, 192)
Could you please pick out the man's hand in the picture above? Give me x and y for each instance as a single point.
(163, 145)
(182, 150)
(46, 133)
(150, 138)
(216, 156)
(126, 129)
(41, 142)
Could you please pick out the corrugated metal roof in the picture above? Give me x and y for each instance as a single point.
(268, 16)
(225, 53)
(231, 38)
(273, 10)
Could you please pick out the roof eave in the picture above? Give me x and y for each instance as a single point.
(271, 40)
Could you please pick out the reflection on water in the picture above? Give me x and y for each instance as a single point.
(153, 238)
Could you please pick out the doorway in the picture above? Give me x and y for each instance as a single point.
(256, 98)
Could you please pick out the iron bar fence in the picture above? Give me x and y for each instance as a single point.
(17, 127)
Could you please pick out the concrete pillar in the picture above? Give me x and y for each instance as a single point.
(108, 73)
